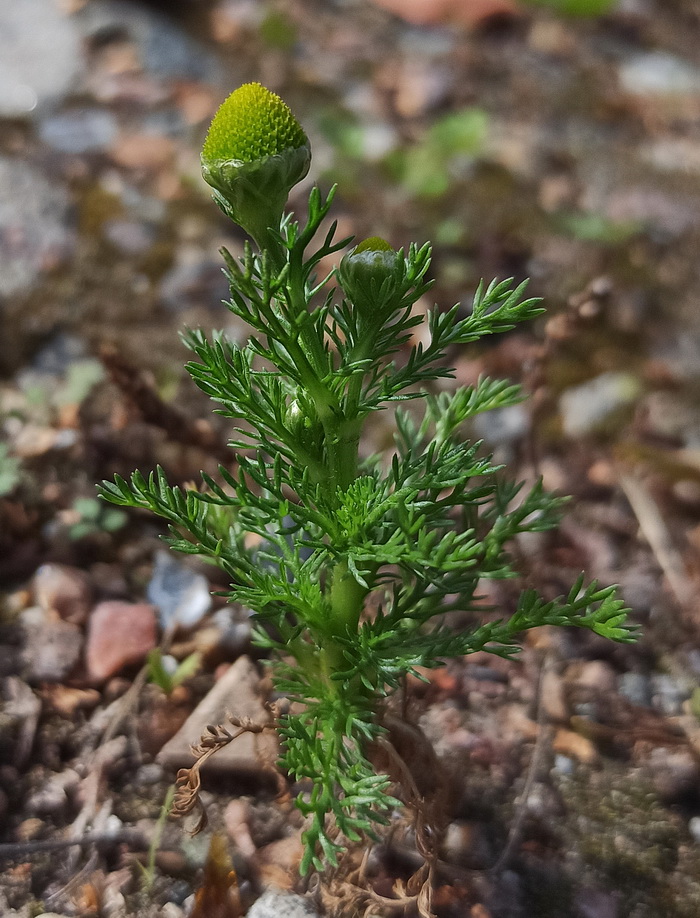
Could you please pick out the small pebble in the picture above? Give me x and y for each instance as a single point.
(53, 798)
(180, 595)
(81, 130)
(694, 828)
(594, 903)
(282, 905)
(63, 589)
(675, 774)
(668, 694)
(193, 281)
(564, 765)
(129, 236)
(595, 405)
(635, 687)
(234, 630)
(467, 843)
(40, 56)
(657, 73)
(119, 634)
(149, 774)
(36, 229)
(575, 746)
(502, 426)
(179, 890)
(51, 651)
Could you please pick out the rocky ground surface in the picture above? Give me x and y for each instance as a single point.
(522, 143)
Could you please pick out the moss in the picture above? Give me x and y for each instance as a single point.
(629, 842)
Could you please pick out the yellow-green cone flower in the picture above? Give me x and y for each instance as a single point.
(372, 276)
(253, 155)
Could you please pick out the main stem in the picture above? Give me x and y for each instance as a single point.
(341, 429)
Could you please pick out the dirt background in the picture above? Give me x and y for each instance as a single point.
(523, 143)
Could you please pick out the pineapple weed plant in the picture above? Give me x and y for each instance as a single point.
(348, 563)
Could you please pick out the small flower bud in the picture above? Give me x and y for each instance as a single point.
(254, 154)
(372, 276)
(301, 420)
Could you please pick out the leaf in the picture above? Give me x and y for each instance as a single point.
(9, 471)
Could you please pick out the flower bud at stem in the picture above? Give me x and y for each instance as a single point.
(372, 276)
(253, 155)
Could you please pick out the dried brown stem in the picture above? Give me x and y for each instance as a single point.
(188, 781)
(138, 388)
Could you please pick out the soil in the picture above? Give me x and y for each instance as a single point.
(523, 143)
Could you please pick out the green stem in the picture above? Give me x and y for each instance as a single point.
(347, 598)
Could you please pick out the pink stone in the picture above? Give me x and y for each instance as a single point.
(119, 634)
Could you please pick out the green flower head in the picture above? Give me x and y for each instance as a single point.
(251, 124)
(253, 155)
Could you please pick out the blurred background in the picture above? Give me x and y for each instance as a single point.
(557, 140)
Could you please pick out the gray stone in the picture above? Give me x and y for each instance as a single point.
(63, 589)
(564, 765)
(594, 903)
(164, 49)
(597, 403)
(129, 236)
(193, 281)
(53, 798)
(657, 73)
(502, 426)
(35, 226)
(675, 774)
(20, 710)
(669, 694)
(80, 130)
(237, 692)
(282, 905)
(51, 651)
(58, 354)
(694, 828)
(149, 774)
(40, 56)
(635, 687)
(235, 630)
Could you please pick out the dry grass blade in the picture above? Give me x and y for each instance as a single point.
(659, 538)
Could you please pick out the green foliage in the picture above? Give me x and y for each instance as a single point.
(148, 870)
(278, 30)
(10, 471)
(429, 167)
(167, 677)
(592, 227)
(357, 559)
(577, 7)
(94, 517)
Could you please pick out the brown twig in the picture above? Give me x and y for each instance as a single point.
(188, 781)
(17, 851)
(659, 538)
(533, 769)
(138, 388)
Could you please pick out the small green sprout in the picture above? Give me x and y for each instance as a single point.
(165, 672)
(93, 517)
(10, 471)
